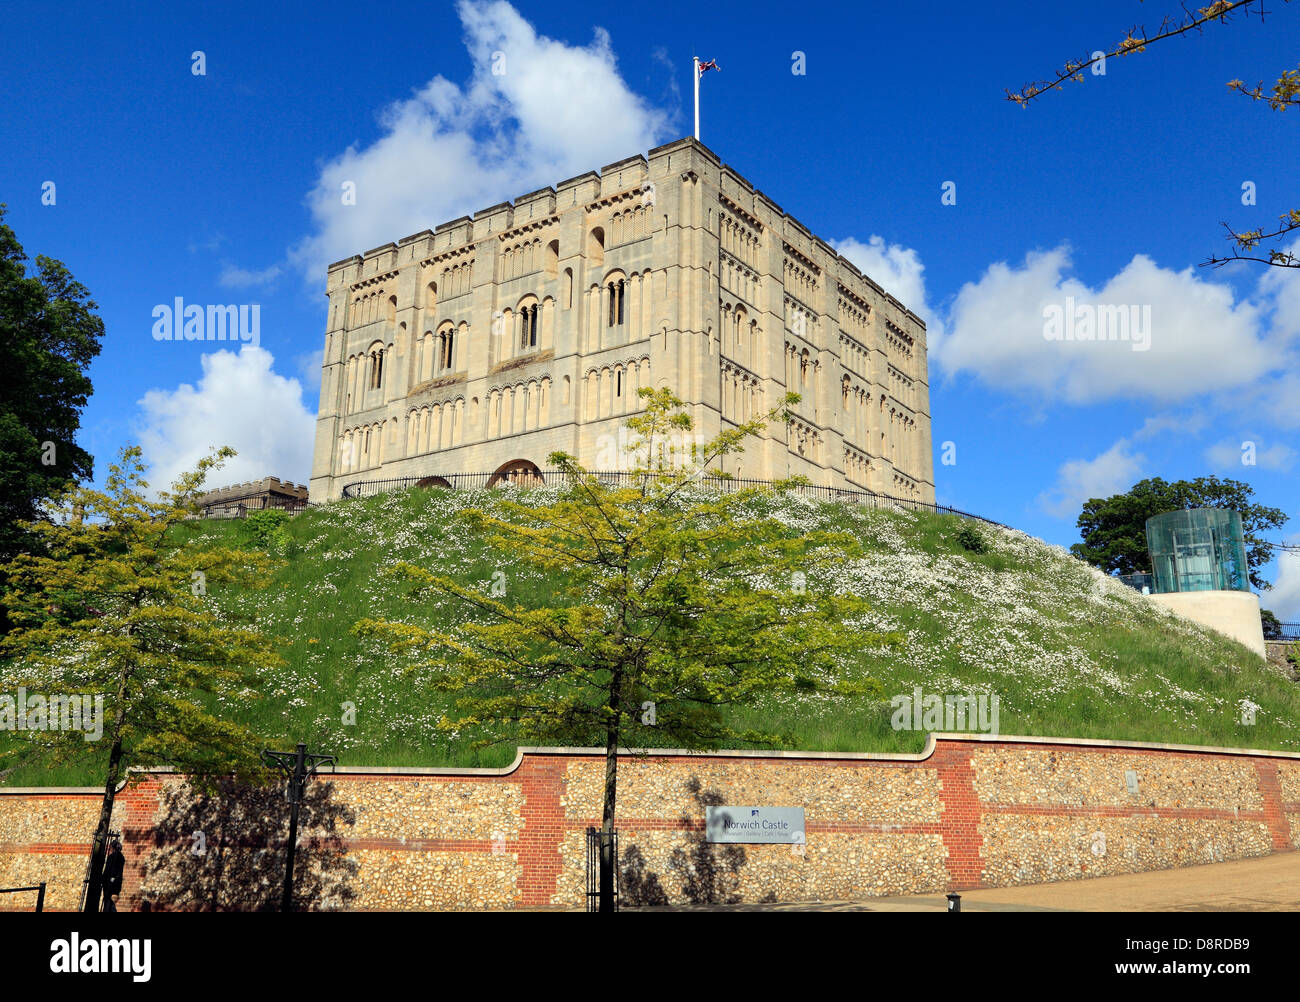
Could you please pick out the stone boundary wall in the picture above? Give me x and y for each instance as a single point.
(970, 811)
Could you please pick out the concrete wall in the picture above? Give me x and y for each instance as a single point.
(1234, 613)
(970, 811)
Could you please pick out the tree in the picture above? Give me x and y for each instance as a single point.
(1114, 528)
(1282, 94)
(50, 331)
(672, 602)
(1270, 624)
(110, 620)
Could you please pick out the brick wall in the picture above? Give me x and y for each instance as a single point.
(968, 812)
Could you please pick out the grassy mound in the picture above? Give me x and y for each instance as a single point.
(1068, 651)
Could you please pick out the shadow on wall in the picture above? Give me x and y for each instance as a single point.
(226, 853)
(704, 873)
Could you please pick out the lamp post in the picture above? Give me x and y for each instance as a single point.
(298, 766)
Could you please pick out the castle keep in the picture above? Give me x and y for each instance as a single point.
(486, 344)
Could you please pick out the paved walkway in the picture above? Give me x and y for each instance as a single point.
(1268, 884)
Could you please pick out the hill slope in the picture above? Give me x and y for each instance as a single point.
(1068, 651)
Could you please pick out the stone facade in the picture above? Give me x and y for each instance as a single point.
(970, 811)
(487, 343)
(255, 495)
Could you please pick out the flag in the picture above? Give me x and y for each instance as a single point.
(712, 64)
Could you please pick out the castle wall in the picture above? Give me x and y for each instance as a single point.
(970, 811)
(529, 328)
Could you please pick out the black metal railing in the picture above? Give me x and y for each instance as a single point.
(38, 888)
(602, 870)
(1287, 633)
(1140, 581)
(241, 506)
(556, 478)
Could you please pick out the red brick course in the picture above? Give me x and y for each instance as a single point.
(546, 828)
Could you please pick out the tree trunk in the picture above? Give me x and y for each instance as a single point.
(101, 831)
(96, 883)
(612, 733)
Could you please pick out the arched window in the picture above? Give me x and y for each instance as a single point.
(617, 289)
(446, 348)
(529, 325)
(596, 247)
(568, 288)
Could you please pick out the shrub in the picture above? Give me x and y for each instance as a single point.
(268, 530)
(971, 539)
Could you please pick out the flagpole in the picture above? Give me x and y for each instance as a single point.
(696, 66)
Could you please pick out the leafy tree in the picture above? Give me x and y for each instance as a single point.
(1271, 625)
(1283, 93)
(1114, 528)
(50, 331)
(677, 602)
(114, 609)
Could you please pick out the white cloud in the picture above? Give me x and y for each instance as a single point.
(1282, 286)
(241, 278)
(1228, 454)
(899, 271)
(557, 110)
(1284, 598)
(240, 402)
(308, 364)
(1079, 480)
(1200, 339)
(1185, 424)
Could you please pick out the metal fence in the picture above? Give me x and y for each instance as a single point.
(1287, 633)
(240, 507)
(556, 478)
(1141, 581)
(38, 888)
(602, 869)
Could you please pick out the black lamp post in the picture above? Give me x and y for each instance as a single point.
(298, 766)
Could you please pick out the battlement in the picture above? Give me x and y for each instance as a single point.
(255, 490)
(631, 172)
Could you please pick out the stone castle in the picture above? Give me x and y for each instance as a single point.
(486, 344)
(254, 495)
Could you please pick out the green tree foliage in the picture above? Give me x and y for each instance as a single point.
(115, 606)
(678, 602)
(1114, 528)
(1271, 625)
(50, 331)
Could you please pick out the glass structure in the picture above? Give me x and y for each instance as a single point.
(1200, 549)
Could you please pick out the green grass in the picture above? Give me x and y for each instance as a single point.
(1068, 652)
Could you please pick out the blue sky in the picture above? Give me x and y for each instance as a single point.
(221, 188)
